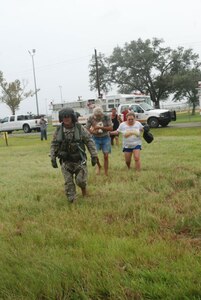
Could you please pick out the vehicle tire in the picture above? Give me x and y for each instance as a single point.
(164, 124)
(153, 122)
(26, 128)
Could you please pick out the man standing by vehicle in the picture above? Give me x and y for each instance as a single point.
(99, 125)
(43, 128)
(68, 145)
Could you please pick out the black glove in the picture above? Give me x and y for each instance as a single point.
(146, 128)
(54, 163)
(94, 161)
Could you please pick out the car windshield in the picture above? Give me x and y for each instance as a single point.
(146, 106)
(4, 120)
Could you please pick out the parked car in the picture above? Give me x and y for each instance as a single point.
(27, 123)
(145, 113)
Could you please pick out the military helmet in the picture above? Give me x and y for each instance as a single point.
(67, 112)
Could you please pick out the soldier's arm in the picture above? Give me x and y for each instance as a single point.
(54, 146)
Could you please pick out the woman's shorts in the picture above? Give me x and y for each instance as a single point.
(103, 143)
(138, 147)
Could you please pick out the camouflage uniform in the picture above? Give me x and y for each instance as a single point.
(69, 146)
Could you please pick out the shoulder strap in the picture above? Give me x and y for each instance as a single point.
(78, 140)
(78, 132)
(59, 133)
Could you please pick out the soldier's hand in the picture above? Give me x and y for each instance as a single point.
(54, 163)
(94, 161)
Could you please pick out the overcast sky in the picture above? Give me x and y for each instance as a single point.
(66, 32)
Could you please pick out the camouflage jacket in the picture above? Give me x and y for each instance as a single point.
(69, 144)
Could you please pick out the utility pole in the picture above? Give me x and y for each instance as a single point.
(97, 75)
(32, 53)
(60, 87)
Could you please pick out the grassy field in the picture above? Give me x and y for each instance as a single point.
(136, 236)
(186, 116)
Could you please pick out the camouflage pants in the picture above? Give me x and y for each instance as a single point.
(73, 172)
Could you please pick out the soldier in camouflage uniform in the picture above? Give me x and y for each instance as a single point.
(68, 145)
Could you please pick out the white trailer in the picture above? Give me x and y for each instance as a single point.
(83, 107)
(114, 101)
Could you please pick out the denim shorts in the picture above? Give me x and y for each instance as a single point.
(103, 143)
(138, 147)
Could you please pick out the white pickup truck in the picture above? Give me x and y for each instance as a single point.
(20, 122)
(145, 113)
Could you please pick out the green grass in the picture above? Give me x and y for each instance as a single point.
(183, 117)
(136, 236)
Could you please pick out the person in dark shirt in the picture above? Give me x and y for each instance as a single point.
(115, 121)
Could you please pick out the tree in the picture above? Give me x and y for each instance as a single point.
(186, 84)
(148, 67)
(13, 93)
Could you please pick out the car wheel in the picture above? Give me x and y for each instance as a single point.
(26, 128)
(153, 122)
(164, 124)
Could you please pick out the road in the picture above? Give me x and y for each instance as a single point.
(171, 125)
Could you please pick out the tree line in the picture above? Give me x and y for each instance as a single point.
(144, 66)
(150, 68)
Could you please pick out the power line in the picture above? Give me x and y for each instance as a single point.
(78, 59)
